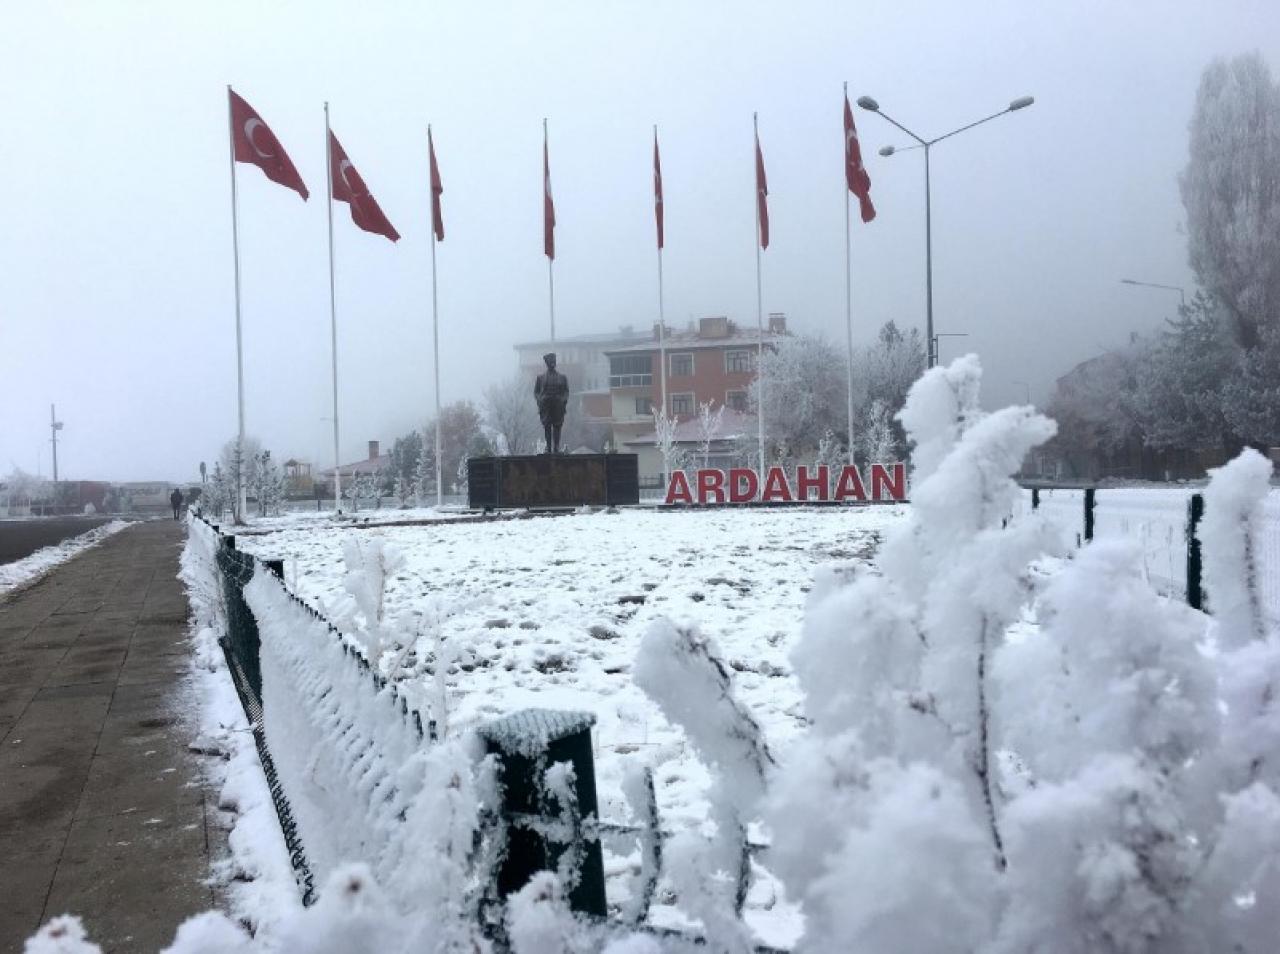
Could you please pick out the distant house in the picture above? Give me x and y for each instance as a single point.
(376, 463)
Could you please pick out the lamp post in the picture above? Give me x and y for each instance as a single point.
(1182, 295)
(869, 104)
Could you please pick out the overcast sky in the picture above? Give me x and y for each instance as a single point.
(116, 293)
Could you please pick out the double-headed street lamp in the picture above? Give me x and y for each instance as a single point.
(867, 103)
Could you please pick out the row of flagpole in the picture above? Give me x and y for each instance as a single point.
(252, 141)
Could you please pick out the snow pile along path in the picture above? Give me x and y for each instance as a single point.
(26, 571)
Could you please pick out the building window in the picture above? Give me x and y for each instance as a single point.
(681, 404)
(630, 371)
(681, 365)
(644, 407)
(739, 362)
(735, 400)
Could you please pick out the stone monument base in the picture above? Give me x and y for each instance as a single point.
(553, 480)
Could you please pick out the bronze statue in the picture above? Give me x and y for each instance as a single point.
(551, 391)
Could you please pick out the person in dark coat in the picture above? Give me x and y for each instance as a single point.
(175, 498)
(551, 391)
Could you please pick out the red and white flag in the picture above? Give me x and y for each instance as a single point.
(437, 220)
(349, 187)
(762, 192)
(253, 141)
(657, 188)
(548, 204)
(855, 173)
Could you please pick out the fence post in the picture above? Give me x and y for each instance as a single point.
(527, 743)
(275, 568)
(1088, 513)
(1195, 591)
(1035, 498)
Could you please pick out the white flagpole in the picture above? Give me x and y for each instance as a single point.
(435, 343)
(241, 492)
(546, 191)
(662, 328)
(333, 316)
(755, 124)
(848, 288)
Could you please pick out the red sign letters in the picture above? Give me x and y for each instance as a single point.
(742, 485)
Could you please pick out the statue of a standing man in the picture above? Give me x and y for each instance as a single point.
(551, 391)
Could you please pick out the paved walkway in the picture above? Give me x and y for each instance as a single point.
(102, 810)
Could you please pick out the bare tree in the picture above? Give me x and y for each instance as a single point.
(509, 409)
(708, 429)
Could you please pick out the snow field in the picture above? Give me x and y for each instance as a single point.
(549, 612)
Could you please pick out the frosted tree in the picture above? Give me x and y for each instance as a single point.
(509, 409)
(708, 429)
(664, 435)
(877, 441)
(805, 393)
(268, 484)
(424, 475)
(1179, 379)
(1230, 192)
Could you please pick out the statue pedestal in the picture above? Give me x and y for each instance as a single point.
(553, 480)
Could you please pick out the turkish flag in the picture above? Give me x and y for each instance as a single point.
(762, 191)
(348, 187)
(855, 173)
(253, 141)
(657, 187)
(437, 220)
(548, 205)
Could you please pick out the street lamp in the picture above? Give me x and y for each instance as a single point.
(1181, 293)
(869, 104)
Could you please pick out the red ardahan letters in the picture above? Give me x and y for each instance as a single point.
(743, 485)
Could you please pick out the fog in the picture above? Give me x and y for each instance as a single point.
(116, 291)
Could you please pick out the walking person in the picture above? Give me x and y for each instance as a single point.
(175, 498)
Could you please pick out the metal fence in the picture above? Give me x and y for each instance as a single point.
(535, 828)
(1162, 522)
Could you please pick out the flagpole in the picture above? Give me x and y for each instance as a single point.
(333, 315)
(755, 124)
(546, 185)
(435, 342)
(241, 494)
(662, 324)
(848, 288)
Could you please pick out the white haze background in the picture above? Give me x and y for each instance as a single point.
(115, 258)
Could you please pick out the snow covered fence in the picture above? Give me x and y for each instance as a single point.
(1157, 520)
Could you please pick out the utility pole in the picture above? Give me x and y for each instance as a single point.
(55, 425)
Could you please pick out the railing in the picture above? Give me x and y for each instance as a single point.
(324, 719)
(1163, 523)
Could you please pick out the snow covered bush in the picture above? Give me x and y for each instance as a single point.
(1099, 783)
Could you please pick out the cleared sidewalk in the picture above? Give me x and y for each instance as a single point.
(103, 812)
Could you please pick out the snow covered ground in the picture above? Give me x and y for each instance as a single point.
(27, 570)
(549, 612)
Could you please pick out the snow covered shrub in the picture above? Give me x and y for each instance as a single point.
(681, 671)
(1102, 783)
(370, 560)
